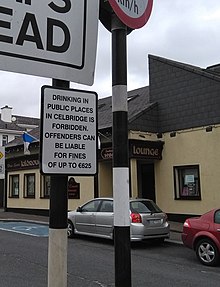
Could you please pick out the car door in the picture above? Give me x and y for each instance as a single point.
(105, 218)
(85, 217)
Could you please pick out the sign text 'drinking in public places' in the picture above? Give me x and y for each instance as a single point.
(68, 131)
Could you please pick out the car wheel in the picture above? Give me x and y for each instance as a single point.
(70, 229)
(207, 252)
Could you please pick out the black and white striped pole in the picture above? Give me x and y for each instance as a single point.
(120, 154)
(57, 245)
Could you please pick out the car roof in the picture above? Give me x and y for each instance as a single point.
(131, 199)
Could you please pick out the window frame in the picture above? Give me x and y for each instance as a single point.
(102, 206)
(178, 174)
(12, 194)
(44, 187)
(26, 192)
(95, 202)
(4, 140)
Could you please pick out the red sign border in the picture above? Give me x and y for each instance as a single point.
(133, 23)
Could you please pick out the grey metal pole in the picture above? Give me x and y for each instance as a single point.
(57, 246)
(120, 155)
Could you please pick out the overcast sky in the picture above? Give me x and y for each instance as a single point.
(187, 31)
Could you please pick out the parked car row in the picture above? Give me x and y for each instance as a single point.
(148, 221)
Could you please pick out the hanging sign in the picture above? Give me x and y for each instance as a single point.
(133, 13)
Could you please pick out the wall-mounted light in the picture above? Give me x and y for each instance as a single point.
(208, 129)
(159, 135)
(172, 134)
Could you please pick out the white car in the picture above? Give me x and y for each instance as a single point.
(96, 218)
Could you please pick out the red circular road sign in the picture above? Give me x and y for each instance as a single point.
(133, 13)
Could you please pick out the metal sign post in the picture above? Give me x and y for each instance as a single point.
(131, 14)
(3, 195)
(120, 155)
(2, 162)
(68, 146)
(57, 245)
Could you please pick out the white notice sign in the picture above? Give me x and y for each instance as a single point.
(49, 38)
(68, 131)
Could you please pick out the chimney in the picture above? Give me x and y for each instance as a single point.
(6, 114)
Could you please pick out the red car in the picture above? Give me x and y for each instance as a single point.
(202, 234)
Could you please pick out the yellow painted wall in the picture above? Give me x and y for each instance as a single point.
(134, 177)
(105, 179)
(189, 148)
(22, 202)
(86, 193)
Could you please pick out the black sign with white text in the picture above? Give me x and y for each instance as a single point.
(68, 131)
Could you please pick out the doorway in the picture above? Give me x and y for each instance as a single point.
(146, 181)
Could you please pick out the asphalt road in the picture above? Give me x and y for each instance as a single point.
(23, 261)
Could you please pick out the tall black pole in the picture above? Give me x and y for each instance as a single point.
(120, 155)
(57, 247)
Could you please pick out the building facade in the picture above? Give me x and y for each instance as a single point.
(174, 131)
(11, 127)
(187, 179)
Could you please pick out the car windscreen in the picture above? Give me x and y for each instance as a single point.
(144, 206)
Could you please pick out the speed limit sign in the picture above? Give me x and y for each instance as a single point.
(133, 13)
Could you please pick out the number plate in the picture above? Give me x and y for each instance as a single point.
(155, 221)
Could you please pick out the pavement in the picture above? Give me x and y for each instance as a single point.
(175, 227)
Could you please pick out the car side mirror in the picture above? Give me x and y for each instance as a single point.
(79, 209)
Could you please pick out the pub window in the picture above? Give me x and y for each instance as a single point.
(4, 140)
(45, 186)
(29, 185)
(187, 182)
(14, 185)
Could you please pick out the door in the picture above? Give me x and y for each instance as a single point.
(105, 219)
(146, 181)
(85, 217)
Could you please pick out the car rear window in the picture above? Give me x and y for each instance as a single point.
(144, 207)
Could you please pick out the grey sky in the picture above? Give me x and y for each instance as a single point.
(181, 30)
